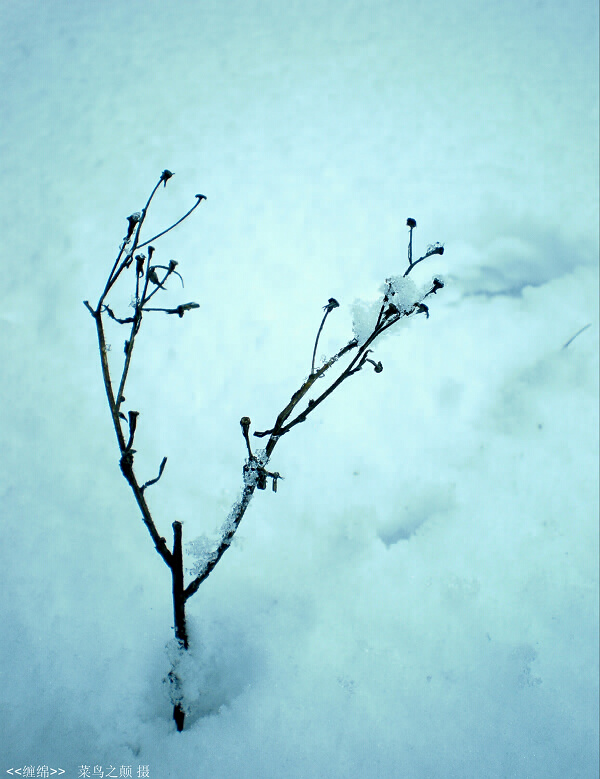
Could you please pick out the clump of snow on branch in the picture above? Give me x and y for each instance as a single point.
(229, 526)
(254, 466)
(400, 291)
(203, 550)
(364, 317)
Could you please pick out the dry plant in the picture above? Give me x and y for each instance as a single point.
(399, 299)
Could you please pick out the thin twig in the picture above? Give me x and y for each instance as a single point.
(300, 393)
(280, 428)
(113, 276)
(180, 310)
(179, 221)
(383, 323)
(331, 304)
(573, 337)
(225, 542)
(160, 473)
(131, 241)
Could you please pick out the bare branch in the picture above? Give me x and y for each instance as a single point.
(180, 310)
(111, 314)
(331, 304)
(129, 245)
(573, 337)
(234, 520)
(245, 425)
(160, 473)
(179, 221)
(388, 315)
(277, 428)
(135, 225)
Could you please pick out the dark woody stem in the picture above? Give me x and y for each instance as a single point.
(225, 542)
(125, 257)
(179, 221)
(114, 274)
(332, 303)
(312, 367)
(147, 285)
(126, 466)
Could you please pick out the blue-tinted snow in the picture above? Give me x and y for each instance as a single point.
(420, 597)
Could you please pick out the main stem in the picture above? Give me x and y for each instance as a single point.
(178, 609)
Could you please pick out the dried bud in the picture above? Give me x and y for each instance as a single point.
(245, 423)
(275, 476)
(411, 222)
(183, 308)
(172, 265)
(331, 304)
(133, 220)
(133, 415)
(435, 248)
(165, 176)
(377, 366)
(153, 276)
(437, 284)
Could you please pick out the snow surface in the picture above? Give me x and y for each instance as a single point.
(420, 597)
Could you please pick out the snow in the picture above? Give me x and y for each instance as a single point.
(419, 598)
(364, 318)
(398, 291)
(203, 550)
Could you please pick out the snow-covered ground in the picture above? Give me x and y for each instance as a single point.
(419, 599)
